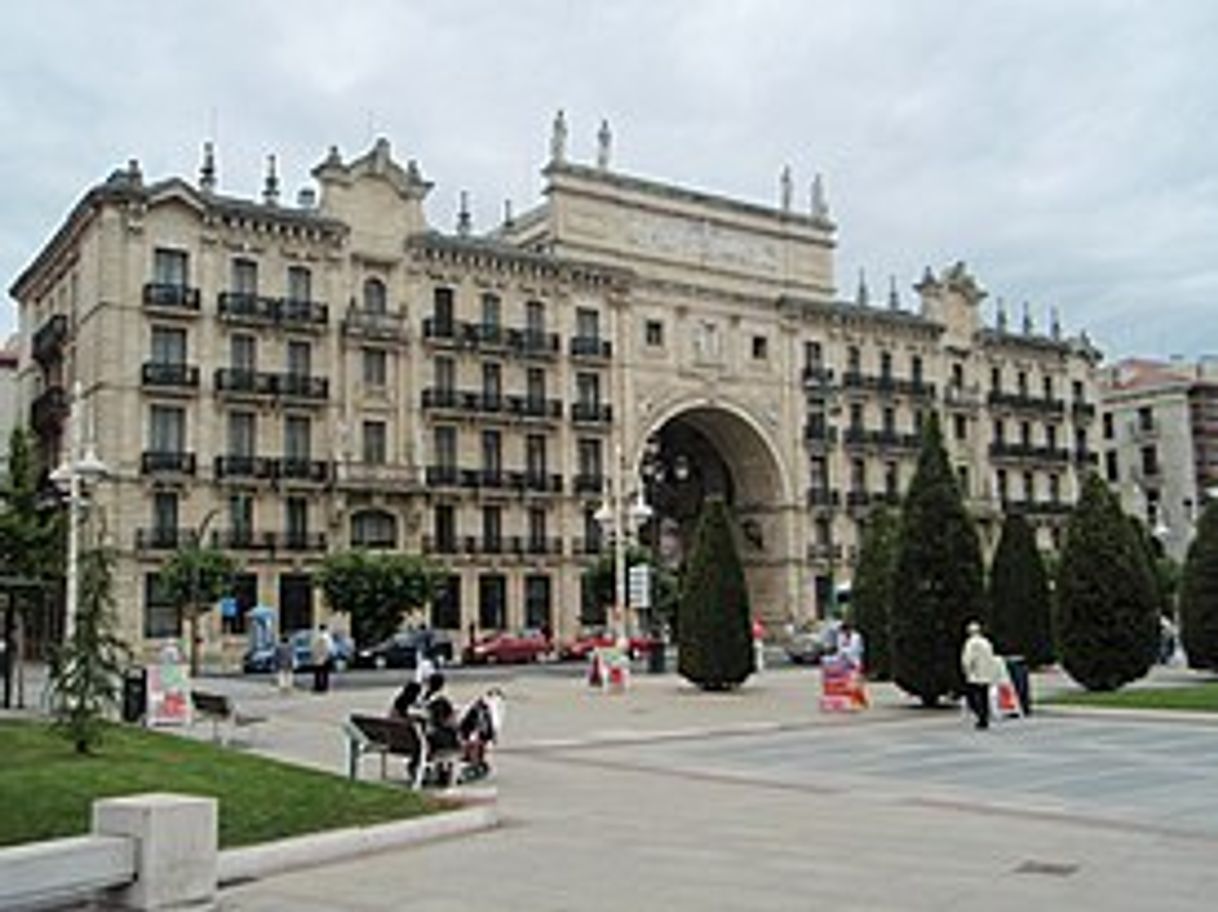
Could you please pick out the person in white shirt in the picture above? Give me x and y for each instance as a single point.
(978, 663)
(850, 645)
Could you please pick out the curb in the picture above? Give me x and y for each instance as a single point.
(265, 859)
(1116, 713)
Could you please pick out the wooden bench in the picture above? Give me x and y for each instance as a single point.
(389, 736)
(217, 709)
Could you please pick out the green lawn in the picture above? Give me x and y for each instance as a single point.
(1195, 698)
(46, 790)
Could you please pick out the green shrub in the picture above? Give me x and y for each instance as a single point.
(1199, 594)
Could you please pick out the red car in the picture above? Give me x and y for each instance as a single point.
(581, 647)
(525, 646)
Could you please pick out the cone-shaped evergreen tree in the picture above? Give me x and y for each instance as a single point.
(871, 591)
(1199, 594)
(938, 584)
(1107, 604)
(1020, 620)
(714, 629)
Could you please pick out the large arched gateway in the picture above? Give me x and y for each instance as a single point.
(699, 449)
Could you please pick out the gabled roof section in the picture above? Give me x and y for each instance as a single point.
(376, 162)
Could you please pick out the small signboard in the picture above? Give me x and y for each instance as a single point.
(639, 578)
(168, 693)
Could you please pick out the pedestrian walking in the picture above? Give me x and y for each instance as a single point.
(285, 663)
(758, 643)
(979, 666)
(323, 658)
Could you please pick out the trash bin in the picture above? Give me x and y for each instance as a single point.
(135, 694)
(657, 656)
(1017, 668)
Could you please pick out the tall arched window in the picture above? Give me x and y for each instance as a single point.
(374, 529)
(374, 295)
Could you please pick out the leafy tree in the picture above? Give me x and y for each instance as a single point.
(1108, 606)
(193, 580)
(1199, 593)
(714, 629)
(601, 583)
(85, 672)
(938, 582)
(871, 590)
(376, 589)
(1020, 619)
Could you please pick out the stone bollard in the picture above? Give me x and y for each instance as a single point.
(176, 854)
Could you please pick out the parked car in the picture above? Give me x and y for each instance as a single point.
(808, 647)
(402, 649)
(262, 658)
(523, 646)
(582, 646)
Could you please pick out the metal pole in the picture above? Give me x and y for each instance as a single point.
(619, 544)
(74, 418)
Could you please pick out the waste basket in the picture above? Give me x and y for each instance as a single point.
(135, 694)
(1017, 668)
(657, 656)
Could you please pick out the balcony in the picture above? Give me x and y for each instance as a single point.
(300, 540)
(242, 540)
(828, 551)
(1082, 411)
(888, 385)
(968, 397)
(528, 544)
(585, 483)
(372, 324)
(49, 410)
(167, 462)
(1022, 402)
(245, 467)
(856, 499)
(442, 475)
(246, 307)
(1086, 457)
(824, 497)
(442, 331)
(535, 407)
(1041, 507)
(533, 343)
(172, 298)
(302, 386)
(376, 476)
(164, 375)
(587, 547)
(443, 544)
(591, 413)
(1143, 430)
(539, 482)
(240, 381)
(162, 538)
(883, 439)
(487, 544)
(819, 434)
(302, 314)
(313, 471)
(47, 344)
(1028, 452)
(592, 347)
(817, 375)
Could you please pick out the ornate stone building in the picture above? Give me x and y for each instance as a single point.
(289, 380)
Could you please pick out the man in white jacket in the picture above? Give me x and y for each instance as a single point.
(978, 662)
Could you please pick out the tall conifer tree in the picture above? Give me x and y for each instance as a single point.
(1020, 620)
(1199, 594)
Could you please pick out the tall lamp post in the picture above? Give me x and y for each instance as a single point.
(615, 517)
(73, 474)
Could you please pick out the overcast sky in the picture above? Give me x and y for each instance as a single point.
(1068, 151)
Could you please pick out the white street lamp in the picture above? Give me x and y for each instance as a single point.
(613, 516)
(71, 475)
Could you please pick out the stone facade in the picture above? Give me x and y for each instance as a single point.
(293, 380)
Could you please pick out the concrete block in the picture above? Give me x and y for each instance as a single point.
(176, 847)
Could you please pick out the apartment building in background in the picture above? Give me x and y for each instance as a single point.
(1159, 436)
(289, 380)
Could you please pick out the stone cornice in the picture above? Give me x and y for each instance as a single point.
(504, 257)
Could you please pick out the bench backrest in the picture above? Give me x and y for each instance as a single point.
(210, 704)
(398, 736)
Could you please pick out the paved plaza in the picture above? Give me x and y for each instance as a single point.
(669, 799)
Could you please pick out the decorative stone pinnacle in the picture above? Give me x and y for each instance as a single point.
(1027, 319)
(820, 204)
(463, 218)
(894, 300)
(207, 171)
(558, 138)
(863, 296)
(784, 184)
(1001, 316)
(508, 220)
(270, 189)
(604, 141)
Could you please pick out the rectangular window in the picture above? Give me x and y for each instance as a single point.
(536, 385)
(1051, 436)
(537, 530)
(858, 475)
(653, 333)
(375, 367)
(1000, 431)
(892, 485)
(1055, 489)
(813, 354)
(1077, 388)
(374, 442)
(297, 437)
(1146, 418)
(442, 310)
(492, 529)
(1110, 466)
(587, 323)
(166, 429)
(165, 517)
(996, 379)
(915, 368)
(491, 311)
(1025, 433)
(760, 348)
(492, 601)
(962, 480)
(168, 345)
(446, 604)
(170, 267)
(445, 374)
(1002, 485)
(957, 375)
(818, 473)
(296, 520)
(241, 519)
(300, 284)
(444, 527)
(492, 381)
(492, 452)
(1047, 384)
(588, 389)
(1021, 382)
(535, 455)
(444, 440)
(244, 277)
(300, 357)
(534, 318)
(244, 597)
(1150, 461)
(856, 416)
(1107, 420)
(961, 423)
(854, 360)
(243, 351)
(588, 457)
(890, 420)
(242, 427)
(162, 617)
(1029, 487)
(885, 366)
(537, 602)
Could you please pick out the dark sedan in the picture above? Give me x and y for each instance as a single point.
(402, 650)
